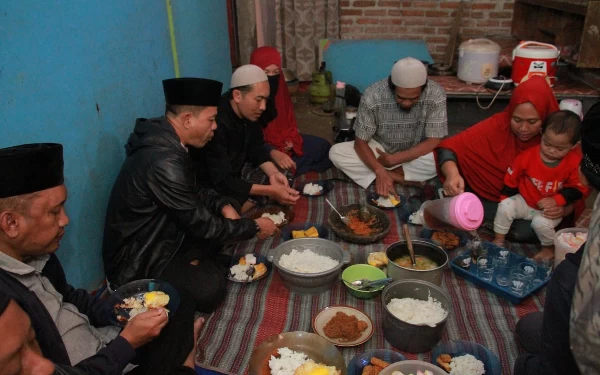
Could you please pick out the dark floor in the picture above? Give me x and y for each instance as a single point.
(312, 120)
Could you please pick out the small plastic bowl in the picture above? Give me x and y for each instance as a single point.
(362, 271)
(458, 348)
(463, 237)
(359, 361)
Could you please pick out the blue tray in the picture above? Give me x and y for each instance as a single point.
(502, 291)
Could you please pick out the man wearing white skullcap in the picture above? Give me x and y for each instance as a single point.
(401, 119)
(238, 143)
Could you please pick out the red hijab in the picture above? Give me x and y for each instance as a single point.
(282, 128)
(486, 150)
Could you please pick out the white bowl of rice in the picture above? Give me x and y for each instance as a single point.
(309, 265)
(282, 354)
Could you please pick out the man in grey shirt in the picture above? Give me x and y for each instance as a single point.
(401, 119)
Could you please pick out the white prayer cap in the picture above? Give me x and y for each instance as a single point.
(246, 75)
(409, 73)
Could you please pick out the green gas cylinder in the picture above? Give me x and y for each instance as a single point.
(320, 88)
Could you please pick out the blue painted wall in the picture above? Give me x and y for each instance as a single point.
(79, 73)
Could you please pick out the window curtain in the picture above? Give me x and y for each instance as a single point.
(299, 25)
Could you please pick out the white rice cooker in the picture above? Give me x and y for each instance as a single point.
(478, 60)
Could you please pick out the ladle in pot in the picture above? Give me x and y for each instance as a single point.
(411, 251)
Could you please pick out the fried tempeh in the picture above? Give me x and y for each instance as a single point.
(379, 363)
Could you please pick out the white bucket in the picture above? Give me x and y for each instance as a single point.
(478, 60)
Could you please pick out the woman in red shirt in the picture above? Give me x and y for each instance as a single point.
(477, 159)
(299, 153)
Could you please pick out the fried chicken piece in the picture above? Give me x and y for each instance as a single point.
(379, 362)
(368, 370)
(444, 362)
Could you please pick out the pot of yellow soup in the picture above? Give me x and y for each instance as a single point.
(431, 261)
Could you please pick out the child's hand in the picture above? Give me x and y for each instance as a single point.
(545, 203)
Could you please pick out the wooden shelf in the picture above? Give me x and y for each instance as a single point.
(563, 6)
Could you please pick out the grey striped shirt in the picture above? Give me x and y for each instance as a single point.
(381, 118)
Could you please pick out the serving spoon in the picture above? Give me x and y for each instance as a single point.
(343, 218)
(411, 251)
(366, 283)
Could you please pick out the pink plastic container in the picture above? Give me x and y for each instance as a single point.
(464, 212)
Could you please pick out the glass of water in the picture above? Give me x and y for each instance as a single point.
(485, 268)
(544, 269)
(502, 274)
(518, 281)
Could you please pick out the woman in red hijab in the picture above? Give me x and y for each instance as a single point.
(289, 149)
(477, 159)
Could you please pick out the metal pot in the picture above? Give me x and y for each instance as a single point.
(409, 337)
(310, 283)
(421, 247)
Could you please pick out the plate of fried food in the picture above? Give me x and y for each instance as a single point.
(385, 203)
(343, 325)
(304, 230)
(448, 240)
(140, 296)
(248, 268)
(372, 362)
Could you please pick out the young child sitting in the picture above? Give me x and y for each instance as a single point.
(541, 178)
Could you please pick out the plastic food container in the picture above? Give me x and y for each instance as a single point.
(560, 248)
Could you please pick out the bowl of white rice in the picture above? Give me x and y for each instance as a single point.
(309, 265)
(468, 358)
(411, 367)
(282, 354)
(414, 314)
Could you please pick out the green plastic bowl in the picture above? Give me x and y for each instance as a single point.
(360, 271)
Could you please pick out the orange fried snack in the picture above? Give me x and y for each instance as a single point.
(379, 362)
(447, 240)
(444, 361)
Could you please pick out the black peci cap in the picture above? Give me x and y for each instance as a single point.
(192, 91)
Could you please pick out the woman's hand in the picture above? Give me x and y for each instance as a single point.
(454, 185)
(283, 160)
(278, 178)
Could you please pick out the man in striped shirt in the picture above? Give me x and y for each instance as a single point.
(401, 119)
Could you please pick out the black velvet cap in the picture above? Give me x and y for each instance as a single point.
(29, 168)
(590, 141)
(192, 91)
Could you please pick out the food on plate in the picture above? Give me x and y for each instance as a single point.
(312, 189)
(376, 366)
(310, 367)
(311, 232)
(307, 261)
(389, 201)
(447, 240)
(461, 365)
(289, 362)
(377, 259)
(426, 372)
(156, 300)
(247, 269)
(142, 303)
(278, 218)
(418, 312)
(360, 227)
(423, 263)
(344, 327)
(573, 240)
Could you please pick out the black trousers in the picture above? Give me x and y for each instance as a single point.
(165, 354)
(206, 283)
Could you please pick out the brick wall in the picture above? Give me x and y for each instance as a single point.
(429, 20)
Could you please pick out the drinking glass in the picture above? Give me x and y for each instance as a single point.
(502, 274)
(502, 258)
(544, 269)
(529, 268)
(518, 281)
(485, 268)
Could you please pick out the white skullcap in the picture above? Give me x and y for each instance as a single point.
(246, 75)
(409, 73)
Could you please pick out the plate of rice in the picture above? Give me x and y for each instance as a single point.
(296, 353)
(315, 189)
(465, 358)
(248, 268)
(280, 215)
(385, 203)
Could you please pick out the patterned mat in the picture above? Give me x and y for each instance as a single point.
(253, 312)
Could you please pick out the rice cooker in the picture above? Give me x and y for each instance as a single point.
(478, 60)
(534, 59)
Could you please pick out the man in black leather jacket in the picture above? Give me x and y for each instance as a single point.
(159, 223)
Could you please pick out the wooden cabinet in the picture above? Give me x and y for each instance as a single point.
(571, 25)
